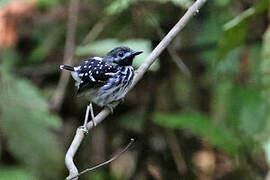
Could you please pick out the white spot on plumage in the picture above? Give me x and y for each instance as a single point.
(85, 66)
(75, 76)
(86, 74)
(97, 72)
(77, 68)
(109, 74)
(92, 78)
(97, 58)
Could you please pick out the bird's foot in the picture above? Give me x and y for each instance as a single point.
(121, 100)
(114, 104)
(110, 107)
(94, 122)
(84, 129)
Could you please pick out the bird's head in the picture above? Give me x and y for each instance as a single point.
(122, 56)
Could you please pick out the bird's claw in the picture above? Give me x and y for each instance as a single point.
(84, 129)
(110, 108)
(121, 100)
(114, 104)
(94, 122)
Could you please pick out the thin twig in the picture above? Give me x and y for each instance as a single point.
(171, 50)
(58, 96)
(95, 30)
(193, 10)
(106, 162)
(176, 151)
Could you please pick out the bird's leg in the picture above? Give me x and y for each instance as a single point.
(121, 100)
(84, 127)
(92, 114)
(112, 105)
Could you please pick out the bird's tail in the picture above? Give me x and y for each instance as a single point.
(69, 68)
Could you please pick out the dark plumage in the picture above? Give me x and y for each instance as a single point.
(105, 80)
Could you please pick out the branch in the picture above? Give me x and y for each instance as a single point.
(58, 96)
(192, 11)
(178, 61)
(96, 30)
(176, 151)
(104, 163)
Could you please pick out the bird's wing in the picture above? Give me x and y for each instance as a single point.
(94, 73)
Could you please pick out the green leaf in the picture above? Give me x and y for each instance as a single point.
(48, 3)
(47, 42)
(234, 32)
(15, 173)
(248, 110)
(210, 33)
(200, 125)
(232, 37)
(223, 3)
(28, 124)
(118, 6)
(181, 3)
(104, 46)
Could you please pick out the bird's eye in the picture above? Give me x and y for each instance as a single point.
(121, 54)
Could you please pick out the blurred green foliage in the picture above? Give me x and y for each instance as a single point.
(15, 173)
(234, 32)
(28, 125)
(201, 125)
(119, 6)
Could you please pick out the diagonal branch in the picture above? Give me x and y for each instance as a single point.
(192, 11)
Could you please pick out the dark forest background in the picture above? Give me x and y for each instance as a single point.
(201, 112)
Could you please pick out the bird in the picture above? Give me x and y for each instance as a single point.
(105, 80)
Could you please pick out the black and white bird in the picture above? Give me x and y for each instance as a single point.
(106, 80)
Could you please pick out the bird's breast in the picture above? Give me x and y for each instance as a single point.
(116, 87)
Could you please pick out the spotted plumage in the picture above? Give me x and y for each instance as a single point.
(105, 80)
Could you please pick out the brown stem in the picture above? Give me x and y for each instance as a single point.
(58, 96)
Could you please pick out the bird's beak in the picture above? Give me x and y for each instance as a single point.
(135, 53)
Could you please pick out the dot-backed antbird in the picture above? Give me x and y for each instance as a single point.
(105, 80)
